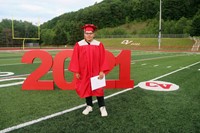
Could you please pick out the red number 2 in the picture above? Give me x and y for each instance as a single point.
(33, 83)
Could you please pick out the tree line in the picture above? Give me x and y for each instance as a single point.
(178, 17)
(22, 29)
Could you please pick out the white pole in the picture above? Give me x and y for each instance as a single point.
(160, 19)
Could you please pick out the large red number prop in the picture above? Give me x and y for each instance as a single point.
(124, 61)
(33, 83)
(58, 70)
(111, 61)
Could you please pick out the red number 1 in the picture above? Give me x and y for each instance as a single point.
(124, 62)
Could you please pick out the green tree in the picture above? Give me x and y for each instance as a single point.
(175, 9)
(47, 36)
(168, 27)
(119, 31)
(182, 26)
(195, 31)
(152, 27)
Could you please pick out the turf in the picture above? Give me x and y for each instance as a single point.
(137, 110)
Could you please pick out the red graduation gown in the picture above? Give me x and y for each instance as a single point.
(88, 60)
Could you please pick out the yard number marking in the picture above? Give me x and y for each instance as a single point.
(5, 74)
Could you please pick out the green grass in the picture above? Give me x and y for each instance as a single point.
(170, 44)
(137, 110)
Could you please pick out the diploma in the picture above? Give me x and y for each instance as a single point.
(97, 83)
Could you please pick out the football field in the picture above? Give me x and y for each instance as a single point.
(129, 110)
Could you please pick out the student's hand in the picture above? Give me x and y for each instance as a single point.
(101, 75)
(77, 75)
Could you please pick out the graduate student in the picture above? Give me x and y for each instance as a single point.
(89, 60)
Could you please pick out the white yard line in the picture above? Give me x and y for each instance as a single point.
(82, 105)
(159, 57)
(176, 71)
(22, 75)
(169, 66)
(132, 60)
(17, 64)
(155, 65)
(11, 59)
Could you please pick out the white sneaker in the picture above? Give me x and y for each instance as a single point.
(103, 111)
(87, 110)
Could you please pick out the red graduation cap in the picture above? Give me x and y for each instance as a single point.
(89, 27)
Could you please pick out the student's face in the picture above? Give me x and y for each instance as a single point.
(88, 35)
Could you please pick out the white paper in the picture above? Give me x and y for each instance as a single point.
(97, 83)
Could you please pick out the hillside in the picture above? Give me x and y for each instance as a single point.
(111, 13)
(113, 17)
(148, 44)
(178, 18)
(124, 29)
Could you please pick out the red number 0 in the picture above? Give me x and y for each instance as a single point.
(33, 83)
(58, 70)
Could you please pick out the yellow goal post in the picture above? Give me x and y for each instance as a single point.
(24, 38)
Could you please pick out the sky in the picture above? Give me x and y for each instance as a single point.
(40, 11)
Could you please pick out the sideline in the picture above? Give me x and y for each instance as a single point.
(82, 105)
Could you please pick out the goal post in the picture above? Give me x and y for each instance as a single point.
(25, 38)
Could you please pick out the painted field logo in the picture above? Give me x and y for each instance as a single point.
(158, 86)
